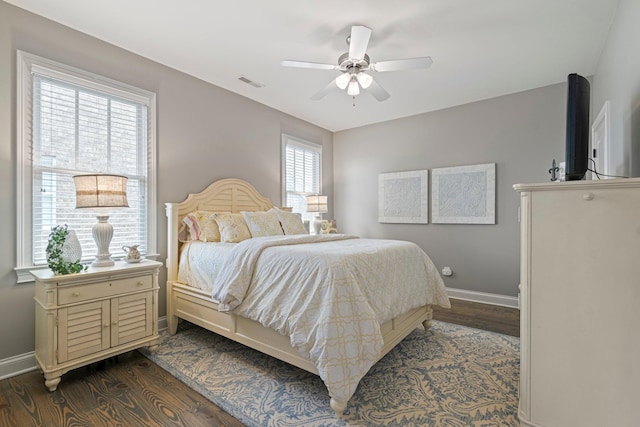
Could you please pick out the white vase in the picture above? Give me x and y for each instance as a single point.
(71, 249)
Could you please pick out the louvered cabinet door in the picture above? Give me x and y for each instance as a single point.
(131, 318)
(83, 330)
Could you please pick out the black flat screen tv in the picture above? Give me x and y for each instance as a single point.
(577, 144)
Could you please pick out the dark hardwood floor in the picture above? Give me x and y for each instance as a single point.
(132, 391)
(488, 317)
(128, 390)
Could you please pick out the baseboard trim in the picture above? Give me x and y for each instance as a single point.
(162, 323)
(23, 363)
(483, 297)
(16, 365)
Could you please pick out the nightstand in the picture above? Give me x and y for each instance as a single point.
(98, 313)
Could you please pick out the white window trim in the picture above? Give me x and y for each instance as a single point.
(288, 139)
(27, 62)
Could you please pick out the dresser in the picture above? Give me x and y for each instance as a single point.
(101, 312)
(580, 303)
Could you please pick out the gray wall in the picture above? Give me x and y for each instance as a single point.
(204, 133)
(521, 133)
(617, 79)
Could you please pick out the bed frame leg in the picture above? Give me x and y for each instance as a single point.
(338, 407)
(427, 322)
(172, 324)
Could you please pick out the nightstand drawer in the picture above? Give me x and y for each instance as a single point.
(73, 294)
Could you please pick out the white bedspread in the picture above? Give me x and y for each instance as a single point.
(201, 261)
(329, 294)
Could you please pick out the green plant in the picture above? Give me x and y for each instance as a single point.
(56, 263)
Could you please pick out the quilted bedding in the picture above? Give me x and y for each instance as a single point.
(329, 294)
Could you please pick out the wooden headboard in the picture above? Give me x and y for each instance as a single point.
(225, 195)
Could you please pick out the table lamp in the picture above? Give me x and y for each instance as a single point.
(101, 191)
(317, 204)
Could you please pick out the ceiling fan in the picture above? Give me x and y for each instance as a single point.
(355, 64)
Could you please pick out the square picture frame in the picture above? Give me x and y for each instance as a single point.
(464, 194)
(403, 197)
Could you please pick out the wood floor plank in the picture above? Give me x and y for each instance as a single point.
(130, 390)
(504, 320)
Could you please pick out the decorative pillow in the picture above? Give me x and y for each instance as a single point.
(232, 227)
(190, 231)
(202, 226)
(263, 223)
(291, 222)
(184, 234)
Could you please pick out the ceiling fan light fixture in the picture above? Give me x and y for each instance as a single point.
(342, 81)
(365, 80)
(353, 89)
(355, 66)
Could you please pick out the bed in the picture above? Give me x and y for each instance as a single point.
(341, 347)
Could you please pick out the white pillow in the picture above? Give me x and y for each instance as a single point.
(291, 222)
(263, 223)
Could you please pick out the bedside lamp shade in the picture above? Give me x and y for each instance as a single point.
(101, 191)
(317, 204)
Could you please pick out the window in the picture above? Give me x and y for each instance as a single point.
(71, 122)
(301, 166)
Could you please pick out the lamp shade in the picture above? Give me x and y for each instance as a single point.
(365, 80)
(101, 191)
(343, 80)
(353, 89)
(317, 204)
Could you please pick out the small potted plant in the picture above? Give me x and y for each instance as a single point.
(58, 251)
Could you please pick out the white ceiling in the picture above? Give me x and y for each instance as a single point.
(480, 48)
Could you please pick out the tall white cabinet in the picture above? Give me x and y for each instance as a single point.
(580, 303)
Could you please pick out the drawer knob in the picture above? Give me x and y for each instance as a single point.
(115, 322)
(75, 294)
(106, 325)
(587, 196)
(139, 283)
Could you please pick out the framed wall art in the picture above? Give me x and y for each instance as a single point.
(403, 197)
(464, 194)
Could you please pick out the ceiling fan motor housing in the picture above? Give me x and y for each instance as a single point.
(345, 63)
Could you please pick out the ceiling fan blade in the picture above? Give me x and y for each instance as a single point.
(378, 91)
(314, 65)
(358, 41)
(402, 64)
(323, 92)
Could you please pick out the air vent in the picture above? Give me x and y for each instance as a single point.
(250, 82)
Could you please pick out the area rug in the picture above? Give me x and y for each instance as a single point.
(448, 376)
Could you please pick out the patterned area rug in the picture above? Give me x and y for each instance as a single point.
(448, 376)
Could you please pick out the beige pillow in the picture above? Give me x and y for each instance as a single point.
(202, 226)
(232, 227)
(291, 222)
(263, 223)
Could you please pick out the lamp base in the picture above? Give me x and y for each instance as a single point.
(316, 225)
(102, 262)
(102, 233)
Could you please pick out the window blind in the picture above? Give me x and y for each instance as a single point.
(302, 166)
(76, 130)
